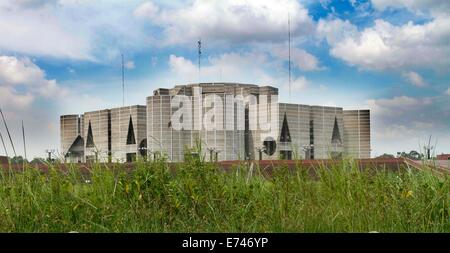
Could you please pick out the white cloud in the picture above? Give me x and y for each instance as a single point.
(14, 71)
(71, 29)
(147, 10)
(403, 122)
(413, 5)
(231, 20)
(414, 78)
(181, 65)
(22, 74)
(448, 91)
(232, 67)
(14, 99)
(325, 3)
(26, 94)
(335, 30)
(397, 105)
(129, 65)
(422, 125)
(411, 112)
(40, 32)
(299, 57)
(394, 131)
(34, 3)
(249, 67)
(154, 61)
(386, 46)
(323, 88)
(299, 84)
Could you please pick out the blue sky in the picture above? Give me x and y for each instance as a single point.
(393, 57)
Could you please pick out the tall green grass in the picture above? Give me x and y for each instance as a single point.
(198, 197)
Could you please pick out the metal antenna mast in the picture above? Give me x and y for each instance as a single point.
(123, 83)
(7, 130)
(289, 45)
(24, 144)
(199, 57)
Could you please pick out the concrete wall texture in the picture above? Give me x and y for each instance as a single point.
(301, 131)
(357, 133)
(72, 145)
(124, 120)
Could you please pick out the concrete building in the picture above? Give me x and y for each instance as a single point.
(306, 132)
(357, 133)
(310, 132)
(128, 133)
(227, 143)
(117, 134)
(97, 135)
(236, 112)
(72, 141)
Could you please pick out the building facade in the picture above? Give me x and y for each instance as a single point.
(228, 120)
(357, 133)
(72, 141)
(110, 135)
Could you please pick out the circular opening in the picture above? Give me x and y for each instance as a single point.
(270, 145)
(143, 147)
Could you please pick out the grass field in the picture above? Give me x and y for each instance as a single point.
(200, 198)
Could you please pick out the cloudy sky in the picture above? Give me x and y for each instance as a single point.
(390, 56)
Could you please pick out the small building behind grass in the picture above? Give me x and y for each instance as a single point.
(443, 157)
(3, 160)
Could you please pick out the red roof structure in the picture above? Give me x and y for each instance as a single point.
(443, 157)
(3, 160)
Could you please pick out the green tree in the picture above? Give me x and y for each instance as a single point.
(38, 160)
(18, 160)
(385, 155)
(414, 155)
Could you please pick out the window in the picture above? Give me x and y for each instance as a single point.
(311, 140)
(286, 155)
(109, 138)
(247, 134)
(143, 148)
(90, 137)
(336, 137)
(270, 146)
(285, 135)
(130, 136)
(77, 147)
(131, 157)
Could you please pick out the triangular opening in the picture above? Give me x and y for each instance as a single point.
(336, 138)
(77, 147)
(285, 135)
(130, 135)
(90, 137)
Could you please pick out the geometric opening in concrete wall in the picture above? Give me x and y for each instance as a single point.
(77, 147)
(90, 137)
(143, 147)
(336, 138)
(285, 154)
(131, 157)
(270, 145)
(130, 136)
(285, 135)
